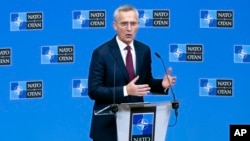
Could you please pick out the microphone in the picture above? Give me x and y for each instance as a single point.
(114, 106)
(111, 109)
(175, 103)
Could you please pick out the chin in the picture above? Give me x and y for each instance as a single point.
(129, 40)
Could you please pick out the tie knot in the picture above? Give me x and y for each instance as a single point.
(128, 48)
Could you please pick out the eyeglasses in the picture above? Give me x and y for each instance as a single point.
(126, 24)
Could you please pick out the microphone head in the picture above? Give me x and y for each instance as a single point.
(158, 55)
(175, 104)
(114, 108)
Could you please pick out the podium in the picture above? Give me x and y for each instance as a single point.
(143, 121)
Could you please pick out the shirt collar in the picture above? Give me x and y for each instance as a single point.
(122, 45)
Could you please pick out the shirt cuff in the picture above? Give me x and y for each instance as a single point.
(125, 93)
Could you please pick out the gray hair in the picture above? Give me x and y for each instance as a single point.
(125, 8)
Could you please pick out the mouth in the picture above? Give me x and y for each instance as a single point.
(129, 35)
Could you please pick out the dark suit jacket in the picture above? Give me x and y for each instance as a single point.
(107, 63)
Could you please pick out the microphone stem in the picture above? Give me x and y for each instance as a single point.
(168, 78)
(114, 85)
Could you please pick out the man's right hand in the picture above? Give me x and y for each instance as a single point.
(137, 90)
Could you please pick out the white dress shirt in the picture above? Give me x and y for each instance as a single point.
(123, 51)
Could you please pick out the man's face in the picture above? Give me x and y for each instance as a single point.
(126, 26)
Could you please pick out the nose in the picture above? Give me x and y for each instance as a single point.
(129, 27)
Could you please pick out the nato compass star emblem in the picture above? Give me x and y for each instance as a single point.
(144, 18)
(208, 87)
(18, 90)
(81, 19)
(208, 18)
(242, 54)
(142, 124)
(178, 53)
(18, 21)
(50, 54)
(81, 88)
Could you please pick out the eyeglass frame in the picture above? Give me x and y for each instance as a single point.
(126, 24)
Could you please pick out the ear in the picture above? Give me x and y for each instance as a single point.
(115, 25)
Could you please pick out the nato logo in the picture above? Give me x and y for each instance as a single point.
(80, 87)
(26, 21)
(5, 56)
(142, 127)
(185, 52)
(26, 90)
(57, 54)
(88, 19)
(216, 19)
(242, 54)
(154, 18)
(216, 87)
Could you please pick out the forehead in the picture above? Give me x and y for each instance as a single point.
(127, 16)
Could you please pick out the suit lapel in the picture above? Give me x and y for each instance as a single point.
(115, 51)
(139, 58)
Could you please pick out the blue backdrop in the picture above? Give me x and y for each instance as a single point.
(58, 108)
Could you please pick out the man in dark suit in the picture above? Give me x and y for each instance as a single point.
(120, 72)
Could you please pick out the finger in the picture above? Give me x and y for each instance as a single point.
(143, 89)
(143, 93)
(173, 81)
(135, 79)
(169, 71)
(143, 86)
